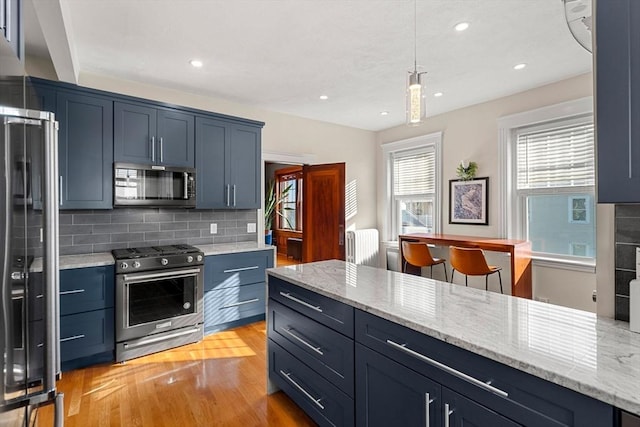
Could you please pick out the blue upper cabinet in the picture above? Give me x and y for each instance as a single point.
(228, 164)
(85, 152)
(617, 59)
(150, 135)
(11, 29)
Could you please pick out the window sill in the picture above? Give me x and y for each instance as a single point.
(564, 264)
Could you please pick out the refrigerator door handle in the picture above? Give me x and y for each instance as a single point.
(50, 267)
(5, 242)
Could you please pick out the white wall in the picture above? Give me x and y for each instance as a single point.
(472, 134)
(282, 133)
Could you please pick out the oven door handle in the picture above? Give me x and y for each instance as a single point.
(173, 274)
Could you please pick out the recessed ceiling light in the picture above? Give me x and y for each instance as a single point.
(461, 26)
(384, 113)
(324, 97)
(196, 63)
(438, 94)
(519, 66)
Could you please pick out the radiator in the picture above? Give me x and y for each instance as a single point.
(363, 247)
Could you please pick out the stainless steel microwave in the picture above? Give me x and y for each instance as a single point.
(153, 186)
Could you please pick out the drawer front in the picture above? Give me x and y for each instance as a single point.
(86, 289)
(329, 312)
(231, 270)
(227, 305)
(323, 349)
(320, 399)
(529, 400)
(85, 334)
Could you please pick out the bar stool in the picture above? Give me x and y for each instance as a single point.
(418, 255)
(471, 262)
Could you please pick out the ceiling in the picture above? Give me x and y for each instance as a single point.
(281, 55)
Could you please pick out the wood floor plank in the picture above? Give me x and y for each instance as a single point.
(220, 381)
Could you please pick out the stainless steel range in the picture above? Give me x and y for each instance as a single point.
(159, 294)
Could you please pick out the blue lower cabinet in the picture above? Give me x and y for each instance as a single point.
(87, 319)
(389, 394)
(321, 400)
(87, 338)
(233, 304)
(326, 351)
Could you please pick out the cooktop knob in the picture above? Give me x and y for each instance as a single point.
(164, 261)
(189, 258)
(124, 265)
(136, 264)
(199, 258)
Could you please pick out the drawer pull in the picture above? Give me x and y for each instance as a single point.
(449, 369)
(299, 387)
(75, 337)
(235, 270)
(316, 349)
(299, 301)
(75, 291)
(235, 304)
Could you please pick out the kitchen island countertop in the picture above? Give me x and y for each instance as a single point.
(595, 356)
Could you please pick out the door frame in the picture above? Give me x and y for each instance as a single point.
(277, 157)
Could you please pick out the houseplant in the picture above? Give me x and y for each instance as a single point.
(272, 201)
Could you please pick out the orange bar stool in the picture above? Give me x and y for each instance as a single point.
(418, 255)
(471, 262)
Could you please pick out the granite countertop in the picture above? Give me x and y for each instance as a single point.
(105, 258)
(596, 356)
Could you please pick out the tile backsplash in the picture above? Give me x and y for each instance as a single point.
(86, 231)
(627, 238)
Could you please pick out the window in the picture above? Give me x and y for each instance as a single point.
(289, 181)
(554, 187)
(413, 176)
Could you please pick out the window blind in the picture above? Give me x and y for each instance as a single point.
(414, 173)
(560, 157)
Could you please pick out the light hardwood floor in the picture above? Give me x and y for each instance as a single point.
(220, 381)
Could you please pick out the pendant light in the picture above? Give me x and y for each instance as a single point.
(416, 90)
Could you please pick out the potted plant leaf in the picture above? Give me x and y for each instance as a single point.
(272, 202)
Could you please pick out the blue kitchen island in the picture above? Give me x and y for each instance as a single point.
(355, 345)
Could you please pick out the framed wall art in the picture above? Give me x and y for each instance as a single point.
(468, 201)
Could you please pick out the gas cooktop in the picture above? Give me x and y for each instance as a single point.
(153, 251)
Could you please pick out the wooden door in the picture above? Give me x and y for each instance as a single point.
(323, 216)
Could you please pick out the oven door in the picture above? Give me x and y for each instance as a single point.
(155, 302)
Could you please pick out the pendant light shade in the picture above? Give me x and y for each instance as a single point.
(416, 105)
(416, 90)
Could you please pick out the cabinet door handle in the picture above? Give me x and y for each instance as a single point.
(447, 414)
(304, 342)
(161, 150)
(234, 194)
(235, 304)
(153, 148)
(228, 194)
(427, 406)
(75, 337)
(450, 370)
(235, 270)
(287, 375)
(299, 301)
(7, 21)
(61, 198)
(74, 291)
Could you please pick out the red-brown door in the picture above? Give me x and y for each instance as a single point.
(323, 214)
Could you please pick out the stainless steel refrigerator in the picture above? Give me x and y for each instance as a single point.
(29, 305)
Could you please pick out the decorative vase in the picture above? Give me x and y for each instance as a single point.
(268, 237)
